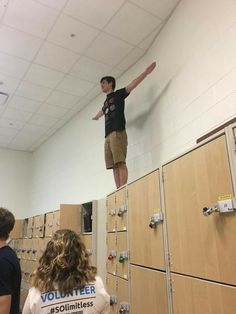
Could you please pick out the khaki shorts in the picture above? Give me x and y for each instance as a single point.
(115, 148)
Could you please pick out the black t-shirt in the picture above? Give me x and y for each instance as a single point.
(10, 277)
(113, 110)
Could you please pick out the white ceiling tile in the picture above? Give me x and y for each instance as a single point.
(2, 108)
(69, 115)
(18, 43)
(159, 8)
(145, 44)
(118, 49)
(54, 111)
(32, 130)
(62, 99)
(128, 20)
(65, 26)
(31, 17)
(22, 142)
(25, 104)
(9, 84)
(5, 140)
(93, 12)
(13, 66)
(43, 76)
(33, 91)
(24, 148)
(80, 104)
(56, 4)
(75, 86)
(94, 92)
(56, 57)
(90, 70)
(8, 131)
(12, 113)
(11, 123)
(42, 120)
(132, 57)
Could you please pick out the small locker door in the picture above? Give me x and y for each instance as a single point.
(146, 243)
(191, 295)
(87, 239)
(148, 291)
(111, 213)
(36, 226)
(30, 227)
(49, 225)
(122, 255)
(56, 221)
(70, 217)
(111, 253)
(112, 291)
(199, 245)
(41, 226)
(123, 302)
(17, 231)
(121, 210)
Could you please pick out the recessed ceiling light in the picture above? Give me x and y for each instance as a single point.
(72, 35)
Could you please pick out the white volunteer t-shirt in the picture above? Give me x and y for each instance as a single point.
(92, 299)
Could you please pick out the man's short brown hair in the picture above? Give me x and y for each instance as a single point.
(7, 222)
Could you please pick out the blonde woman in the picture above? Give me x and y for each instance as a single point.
(64, 281)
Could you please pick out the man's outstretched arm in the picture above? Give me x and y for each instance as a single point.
(140, 78)
(98, 115)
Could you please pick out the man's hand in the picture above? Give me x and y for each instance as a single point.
(150, 68)
(98, 115)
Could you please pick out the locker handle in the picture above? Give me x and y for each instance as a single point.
(123, 257)
(124, 308)
(156, 219)
(111, 255)
(113, 299)
(121, 211)
(222, 207)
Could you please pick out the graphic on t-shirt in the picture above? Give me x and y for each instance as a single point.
(73, 302)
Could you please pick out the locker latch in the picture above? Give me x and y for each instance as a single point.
(113, 299)
(111, 255)
(124, 308)
(89, 252)
(156, 219)
(122, 210)
(112, 212)
(223, 206)
(123, 257)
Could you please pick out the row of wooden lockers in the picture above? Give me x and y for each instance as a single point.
(32, 249)
(148, 294)
(44, 225)
(199, 246)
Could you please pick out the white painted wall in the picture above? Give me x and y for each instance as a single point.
(192, 91)
(14, 182)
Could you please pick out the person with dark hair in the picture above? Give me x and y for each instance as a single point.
(115, 134)
(64, 281)
(10, 273)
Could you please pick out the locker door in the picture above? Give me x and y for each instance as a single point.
(87, 239)
(70, 217)
(146, 244)
(148, 291)
(196, 296)
(17, 231)
(200, 246)
(41, 226)
(121, 210)
(30, 228)
(56, 221)
(111, 253)
(112, 291)
(36, 227)
(122, 255)
(123, 302)
(49, 225)
(111, 213)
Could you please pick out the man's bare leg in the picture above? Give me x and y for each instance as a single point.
(116, 174)
(123, 173)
